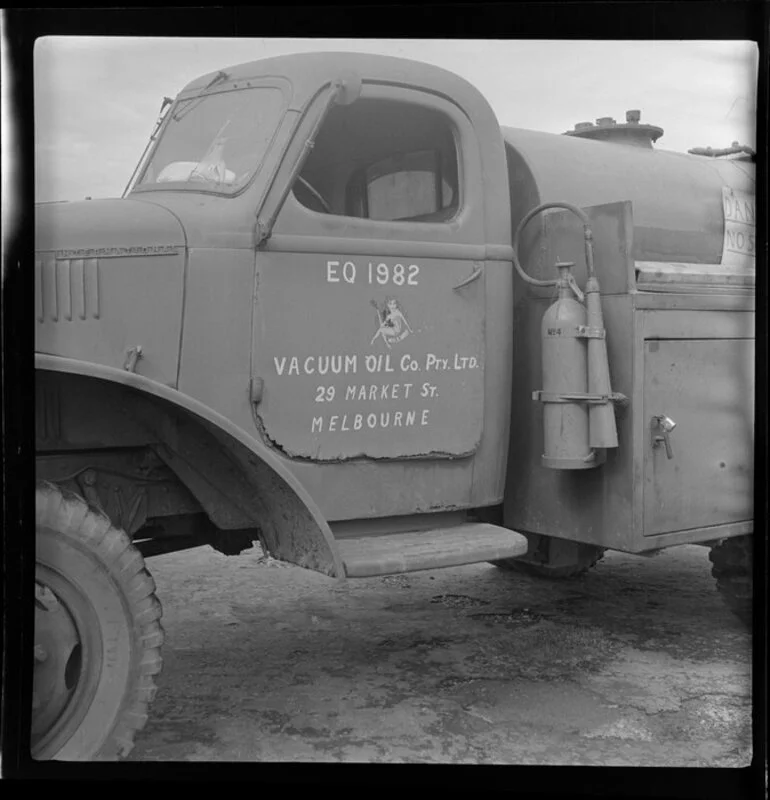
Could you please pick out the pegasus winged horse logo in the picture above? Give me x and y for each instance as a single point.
(392, 324)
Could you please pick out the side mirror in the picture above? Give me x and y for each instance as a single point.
(348, 88)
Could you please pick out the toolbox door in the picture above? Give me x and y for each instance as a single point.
(705, 477)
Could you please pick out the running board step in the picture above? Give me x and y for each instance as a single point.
(439, 547)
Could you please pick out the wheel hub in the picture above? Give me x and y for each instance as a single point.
(57, 659)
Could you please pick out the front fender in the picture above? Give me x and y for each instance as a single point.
(231, 461)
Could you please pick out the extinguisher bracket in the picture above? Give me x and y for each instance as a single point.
(588, 332)
(594, 459)
(575, 332)
(579, 397)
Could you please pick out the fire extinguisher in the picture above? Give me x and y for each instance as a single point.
(578, 413)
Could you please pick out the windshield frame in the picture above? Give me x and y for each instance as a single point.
(192, 98)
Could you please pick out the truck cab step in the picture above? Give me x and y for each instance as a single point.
(453, 546)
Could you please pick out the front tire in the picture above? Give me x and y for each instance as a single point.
(97, 633)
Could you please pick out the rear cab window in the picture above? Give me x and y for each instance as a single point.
(411, 186)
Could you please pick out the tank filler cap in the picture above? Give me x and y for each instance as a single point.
(606, 129)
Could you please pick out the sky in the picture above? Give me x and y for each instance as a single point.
(97, 98)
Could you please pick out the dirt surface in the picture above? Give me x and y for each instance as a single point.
(636, 663)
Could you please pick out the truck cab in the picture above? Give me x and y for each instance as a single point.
(369, 334)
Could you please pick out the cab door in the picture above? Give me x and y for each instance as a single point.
(369, 316)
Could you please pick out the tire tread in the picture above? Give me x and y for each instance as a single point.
(71, 515)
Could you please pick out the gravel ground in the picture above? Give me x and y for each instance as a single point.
(636, 663)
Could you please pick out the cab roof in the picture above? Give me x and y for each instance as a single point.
(307, 71)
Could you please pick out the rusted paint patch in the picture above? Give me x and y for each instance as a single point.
(274, 445)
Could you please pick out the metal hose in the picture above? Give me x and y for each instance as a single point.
(587, 236)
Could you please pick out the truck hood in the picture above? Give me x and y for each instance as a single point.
(106, 225)
(109, 278)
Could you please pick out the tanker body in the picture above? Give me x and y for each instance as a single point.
(311, 322)
(676, 244)
(677, 199)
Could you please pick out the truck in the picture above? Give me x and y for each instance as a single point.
(342, 312)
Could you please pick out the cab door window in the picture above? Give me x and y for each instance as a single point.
(383, 160)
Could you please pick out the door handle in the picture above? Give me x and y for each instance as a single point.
(662, 426)
(472, 277)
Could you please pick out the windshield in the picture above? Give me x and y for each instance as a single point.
(215, 142)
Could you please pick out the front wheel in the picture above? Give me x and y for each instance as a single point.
(97, 633)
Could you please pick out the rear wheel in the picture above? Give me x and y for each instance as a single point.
(732, 568)
(97, 633)
(548, 557)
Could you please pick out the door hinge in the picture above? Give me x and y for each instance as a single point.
(256, 389)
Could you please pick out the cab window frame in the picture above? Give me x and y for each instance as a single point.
(184, 187)
(468, 162)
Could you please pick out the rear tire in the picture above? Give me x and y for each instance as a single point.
(97, 633)
(732, 568)
(542, 561)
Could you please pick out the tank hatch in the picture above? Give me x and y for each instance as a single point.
(632, 132)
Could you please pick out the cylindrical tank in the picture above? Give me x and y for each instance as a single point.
(677, 198)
